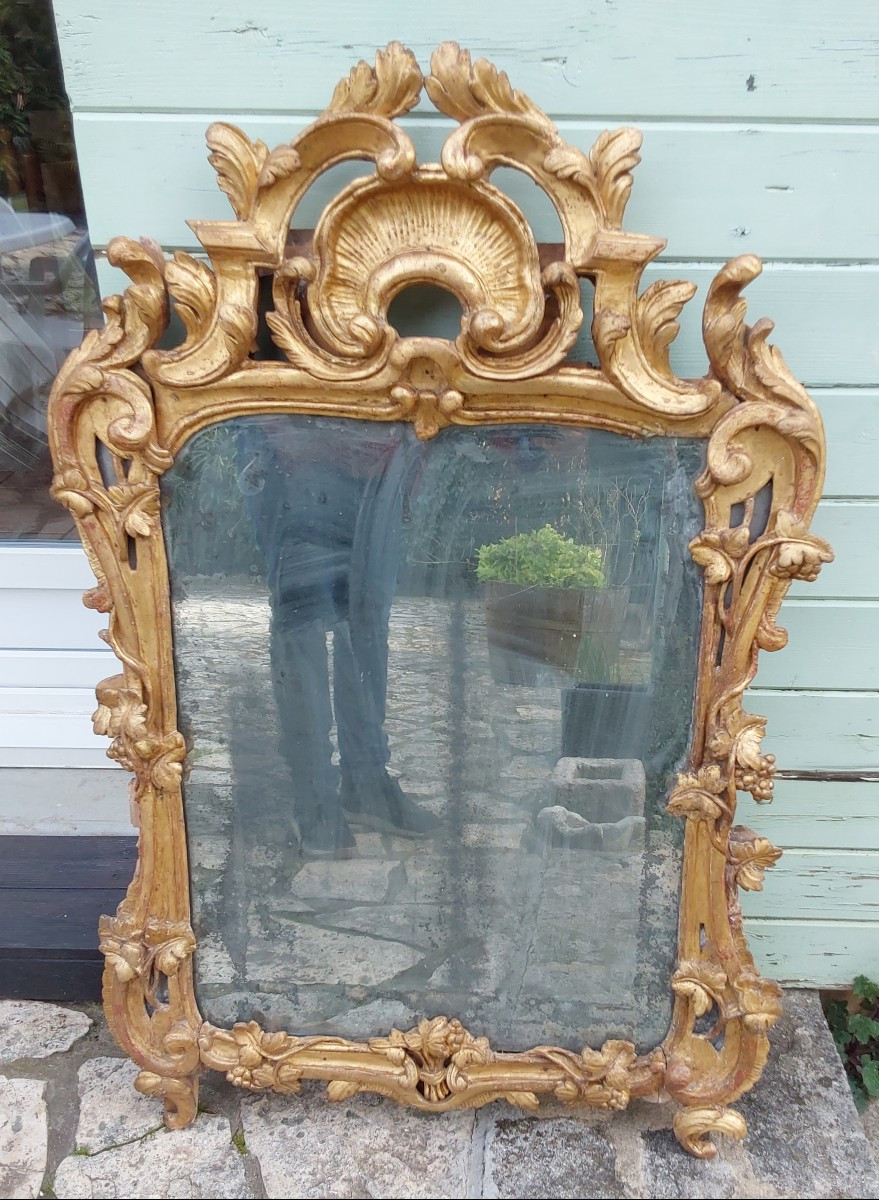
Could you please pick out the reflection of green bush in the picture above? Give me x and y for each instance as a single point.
(544, 558)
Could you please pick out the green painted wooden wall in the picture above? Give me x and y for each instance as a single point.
(761, 133)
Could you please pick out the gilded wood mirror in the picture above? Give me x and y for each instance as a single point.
(432, 649)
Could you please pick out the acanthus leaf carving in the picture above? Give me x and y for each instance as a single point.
(238, 162)
(463, 89)
(193, 287)
(657, 310)
(388, 89)
(612, 160)
(693, 1126)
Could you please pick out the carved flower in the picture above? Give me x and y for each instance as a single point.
(138, 507)
(165, 757)
(121, 943)
(759, 1001)
(699, 795)
(801, 554)
(718, 550)
(750, 856)
(702, 982)
(71, 488)
(120, 711)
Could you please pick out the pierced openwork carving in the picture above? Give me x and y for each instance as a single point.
(122, 408)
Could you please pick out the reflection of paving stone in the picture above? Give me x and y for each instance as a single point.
(425, 925)
(215, 962)
(376, 1148)
(406, 920)
(375, 1019)
(23, 1137)
(110, 1110)
(314, 955)
(198, 1161)
(349, 879)
(506, 835)
(30, 1029)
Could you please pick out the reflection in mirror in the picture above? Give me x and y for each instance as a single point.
(434, 694)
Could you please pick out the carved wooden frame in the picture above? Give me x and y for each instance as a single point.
(441, 223)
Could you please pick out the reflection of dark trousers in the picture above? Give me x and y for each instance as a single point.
(334, 570)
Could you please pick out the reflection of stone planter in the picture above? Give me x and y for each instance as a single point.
(606, 720)
(533, 631)
(599, 806)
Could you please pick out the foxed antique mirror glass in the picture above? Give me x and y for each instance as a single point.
(433, 647)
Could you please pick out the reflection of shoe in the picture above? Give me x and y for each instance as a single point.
(328, 835)
(380, 803)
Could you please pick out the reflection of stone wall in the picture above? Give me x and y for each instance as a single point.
(528, 943)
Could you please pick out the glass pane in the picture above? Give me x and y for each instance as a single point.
(48, 287)
(434, 693)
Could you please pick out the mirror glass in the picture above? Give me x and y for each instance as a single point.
(434, 694)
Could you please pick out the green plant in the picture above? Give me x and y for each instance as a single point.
(544, 558)
(30, 74)
(856, 1034)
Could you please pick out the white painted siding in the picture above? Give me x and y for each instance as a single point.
(761, 134)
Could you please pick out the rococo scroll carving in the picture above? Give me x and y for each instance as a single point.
(123, 405)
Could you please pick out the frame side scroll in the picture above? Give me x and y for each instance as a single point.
(122, 407)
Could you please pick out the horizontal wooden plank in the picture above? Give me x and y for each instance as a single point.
(851, 527)
(573, 55)
(851, 425)
(815, 953)
(63, 738)
(45, 701)
(55, 668)
(820, 730)
(48, 619)
(70, 977)
(45, 862)
(785, 193)
(810, 884)
(74, 803)
(48, 567)
(817, 815)
(61, 758)
(57, 919)
(824, 343)
(832, 645)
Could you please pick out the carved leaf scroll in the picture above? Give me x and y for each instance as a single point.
(388, 89)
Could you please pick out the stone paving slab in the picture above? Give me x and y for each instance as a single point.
(23, 1137)
(804, 1138)
(30, 1029)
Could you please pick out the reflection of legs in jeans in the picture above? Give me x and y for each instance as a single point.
(360, 661)
(334, 541)
(304, 608)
